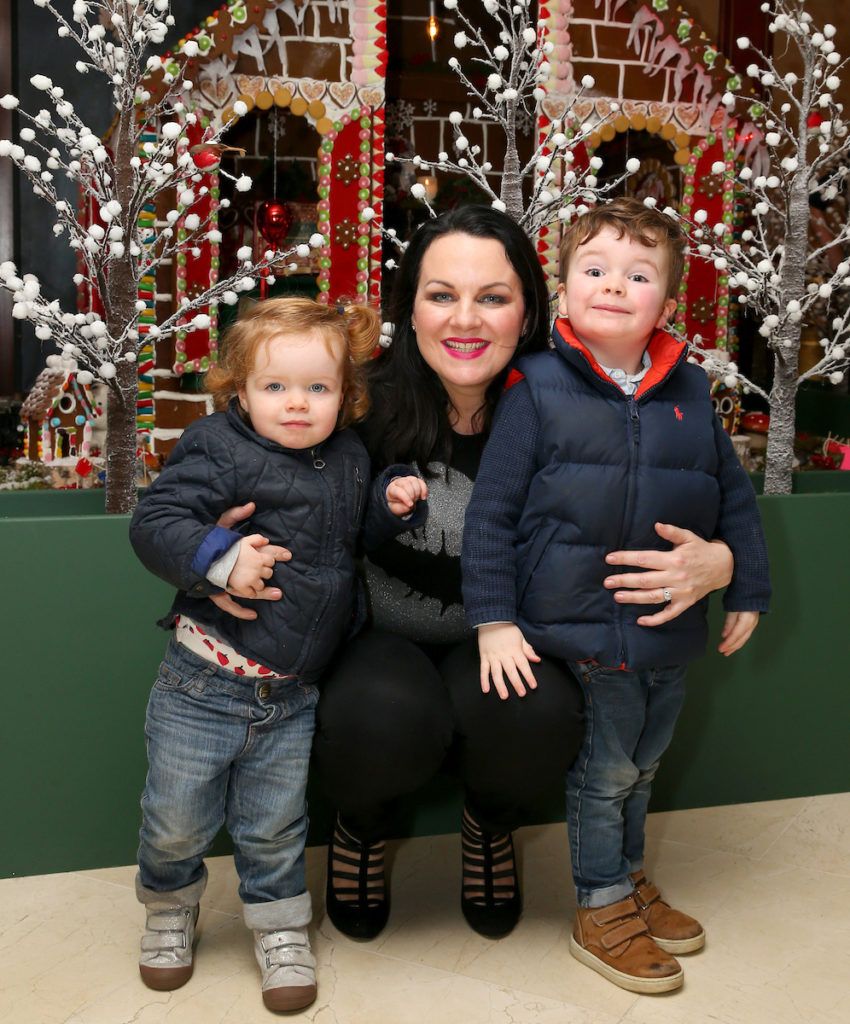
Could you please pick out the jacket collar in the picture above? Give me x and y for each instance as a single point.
(664, 350)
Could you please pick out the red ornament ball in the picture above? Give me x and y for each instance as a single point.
(274, 220)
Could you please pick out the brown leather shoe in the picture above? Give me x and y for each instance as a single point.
(672, 930)
(615, 941)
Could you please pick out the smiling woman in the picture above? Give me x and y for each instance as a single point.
(468, 313)
(470, 296)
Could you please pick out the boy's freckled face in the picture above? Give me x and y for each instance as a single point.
(615, 296)
(294, 392)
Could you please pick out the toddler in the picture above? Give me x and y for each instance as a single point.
(596, 445)
(230, 719)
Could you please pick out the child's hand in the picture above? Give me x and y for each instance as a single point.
(504, 652)
(403, 492)
(254, 566)
(737, 630)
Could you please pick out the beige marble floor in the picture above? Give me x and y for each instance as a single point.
(770, 881)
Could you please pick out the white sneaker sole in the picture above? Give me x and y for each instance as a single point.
(644, 986)
(676, 946)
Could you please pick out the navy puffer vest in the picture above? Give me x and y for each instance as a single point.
(610, 468)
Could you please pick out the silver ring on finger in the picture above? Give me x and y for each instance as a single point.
(667, 594)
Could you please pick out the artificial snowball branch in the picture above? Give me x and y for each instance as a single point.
(514, 72)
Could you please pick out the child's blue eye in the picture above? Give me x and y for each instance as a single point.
(274, 386)
(317, 389)
(594, 272)
(640, 277)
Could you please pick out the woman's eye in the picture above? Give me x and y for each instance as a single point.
(274, 386)
(439, 296)
(317, 389)
(494, 300)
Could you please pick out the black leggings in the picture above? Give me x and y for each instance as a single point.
(389, 713)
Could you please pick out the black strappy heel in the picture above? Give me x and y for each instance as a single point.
(490, 897)
(366, 910)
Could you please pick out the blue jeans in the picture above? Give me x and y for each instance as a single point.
(225, 749)
(629, 722)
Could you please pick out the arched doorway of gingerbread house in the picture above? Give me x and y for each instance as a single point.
(660, 175)
(277, 149)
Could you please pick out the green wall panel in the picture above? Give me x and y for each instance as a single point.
(81, 651)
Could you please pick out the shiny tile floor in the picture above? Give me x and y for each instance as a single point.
(770, 881)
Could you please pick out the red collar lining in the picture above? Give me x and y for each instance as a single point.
(664, 351)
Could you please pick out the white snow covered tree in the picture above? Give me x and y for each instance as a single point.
(505, 80)
(781, 269)
(120, 179)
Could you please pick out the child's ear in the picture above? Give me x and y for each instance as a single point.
(240, 394)
(667, 310)
(562, 299)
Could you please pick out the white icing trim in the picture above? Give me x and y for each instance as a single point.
(181, 396)
(166, 434)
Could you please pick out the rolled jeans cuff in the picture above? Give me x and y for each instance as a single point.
(277, 915)
(188, 896)
(595, 898)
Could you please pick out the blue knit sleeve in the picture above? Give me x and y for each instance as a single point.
(498, 499)
(739, 525)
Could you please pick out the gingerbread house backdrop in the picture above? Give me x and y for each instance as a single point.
(312, 74)
(666, 76)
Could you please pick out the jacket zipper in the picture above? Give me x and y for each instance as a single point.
(631, 487)
(319, 465)
(358, 493)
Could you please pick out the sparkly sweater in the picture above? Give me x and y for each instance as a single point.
(413, 575)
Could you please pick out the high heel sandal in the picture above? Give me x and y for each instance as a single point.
(490, 897)
(356, 871)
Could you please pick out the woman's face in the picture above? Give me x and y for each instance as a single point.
(468, 311)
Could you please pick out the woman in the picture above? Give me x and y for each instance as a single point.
(470, 296)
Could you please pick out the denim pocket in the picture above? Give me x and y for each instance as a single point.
(170, 681)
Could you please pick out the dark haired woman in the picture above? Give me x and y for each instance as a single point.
(470, 295)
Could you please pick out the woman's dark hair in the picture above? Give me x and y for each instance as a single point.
(409, 420)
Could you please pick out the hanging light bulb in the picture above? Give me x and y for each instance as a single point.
(433, 29)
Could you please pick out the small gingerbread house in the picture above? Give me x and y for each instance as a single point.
(59, 417)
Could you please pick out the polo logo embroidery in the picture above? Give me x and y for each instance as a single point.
(678, 412)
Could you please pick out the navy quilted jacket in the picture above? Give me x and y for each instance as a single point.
(310, 501)
(602, 469)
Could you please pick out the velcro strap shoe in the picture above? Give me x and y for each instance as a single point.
(615, 942)
(672, 930)
(166, 959)
(288, 968)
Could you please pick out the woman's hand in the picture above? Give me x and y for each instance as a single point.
(225, 602)
(681, 577)
(504, 651)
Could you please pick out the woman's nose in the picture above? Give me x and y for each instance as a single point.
(466, 314)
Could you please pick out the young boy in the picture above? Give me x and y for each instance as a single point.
(596, 443)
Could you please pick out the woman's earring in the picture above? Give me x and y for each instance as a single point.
(413, 326)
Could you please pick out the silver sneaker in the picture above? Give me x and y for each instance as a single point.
(288, 968)
(166, 960)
